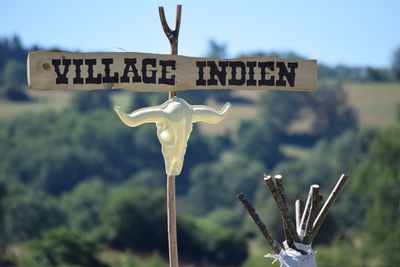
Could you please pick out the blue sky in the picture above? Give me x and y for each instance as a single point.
(352, 32)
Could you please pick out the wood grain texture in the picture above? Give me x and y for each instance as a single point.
(42, 72)
(312, 214)
(281, 191)
(261, 226)
(171, 212)
(282, 208)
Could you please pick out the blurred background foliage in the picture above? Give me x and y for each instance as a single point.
(79, 188)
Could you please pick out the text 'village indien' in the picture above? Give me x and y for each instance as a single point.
(163, 72)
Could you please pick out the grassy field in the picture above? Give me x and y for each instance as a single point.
(377, 104)
(42, 101)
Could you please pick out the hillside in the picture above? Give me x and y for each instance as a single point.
(77, 185)
(377, 104)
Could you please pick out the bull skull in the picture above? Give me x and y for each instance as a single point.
(174, 120)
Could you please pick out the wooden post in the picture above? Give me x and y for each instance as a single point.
(171, 196)
(171, 211)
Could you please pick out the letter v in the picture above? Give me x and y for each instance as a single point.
(61, 78)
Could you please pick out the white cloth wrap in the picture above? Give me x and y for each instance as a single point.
(292, 258)
(301, 233)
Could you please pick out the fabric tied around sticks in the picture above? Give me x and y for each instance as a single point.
(290, 257)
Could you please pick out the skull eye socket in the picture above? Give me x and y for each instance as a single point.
(167, 137)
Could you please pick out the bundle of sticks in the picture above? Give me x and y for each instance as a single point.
(299, 236)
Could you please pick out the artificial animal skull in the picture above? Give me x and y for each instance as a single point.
(174, 120)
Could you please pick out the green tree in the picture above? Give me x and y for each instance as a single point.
(326, 111)
(378, 74)
(148, 179)
(333, 115)
(396, 63)
(88, 101)
(3, 241)
(28, 214)
(258, 142)
(11, 48)
(64, 247)
(201, 149)
(229, 250)
(281, 108)
(136, 220)
(339, 254)
(84, 204)
(377, 183)
(14, 73)
(232, 175)
(141, 100)
(54, 152)
(14, 80)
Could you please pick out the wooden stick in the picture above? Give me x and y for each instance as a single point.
(282, 208)
(263, 228)
(305, 214)
(171, 212)
(281, 191)
(172, 35)
(299, 206)
(312, 214)
(328, 204)
(171, 203)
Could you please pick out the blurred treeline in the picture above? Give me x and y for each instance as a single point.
(79, 188)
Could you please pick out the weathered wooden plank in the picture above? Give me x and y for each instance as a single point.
(163, 73)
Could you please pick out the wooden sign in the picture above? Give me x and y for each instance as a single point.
(163, 73)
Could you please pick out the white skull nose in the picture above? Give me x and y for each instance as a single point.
(167, 137)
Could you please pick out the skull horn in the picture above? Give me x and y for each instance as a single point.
(140, 116)
(209, 115)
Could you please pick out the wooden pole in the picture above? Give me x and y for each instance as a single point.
(263, 228)
(282, 208)
(299, 206)
(172, 36)
(171, 214)
(312, 214)
(305, 214)
(328, 204)
(281, 191)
